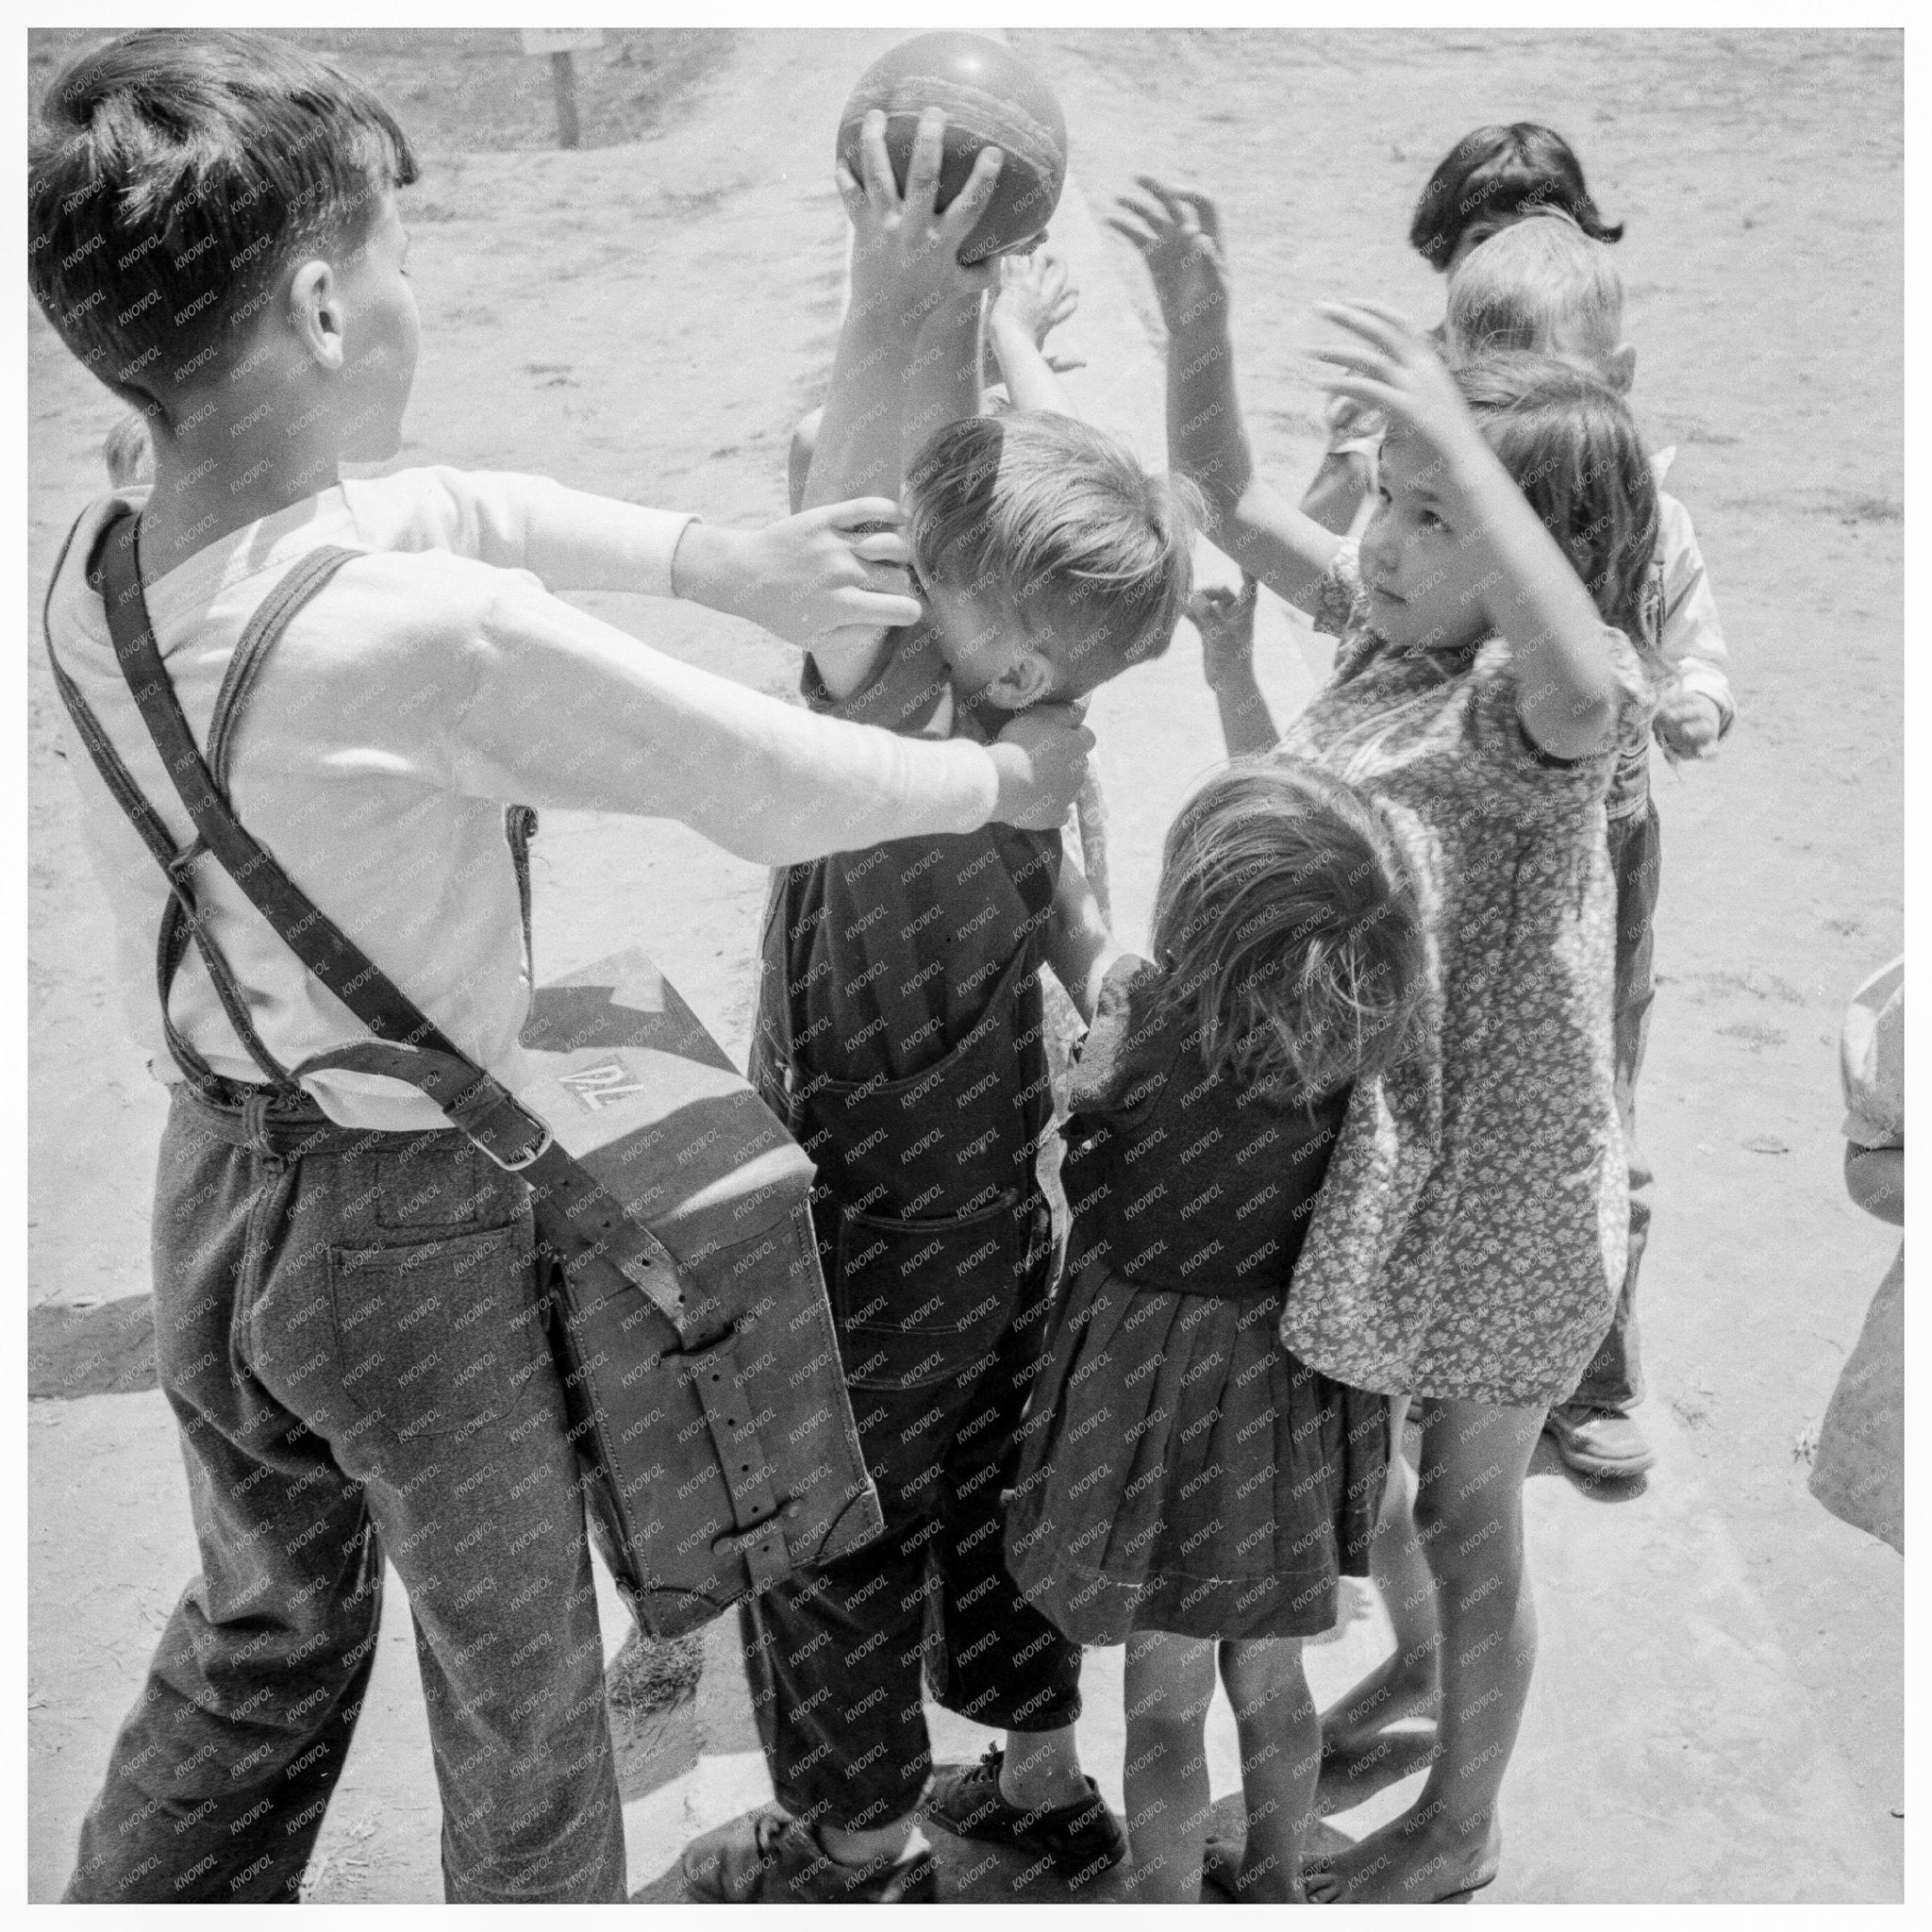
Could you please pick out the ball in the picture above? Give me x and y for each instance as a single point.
(992, 99)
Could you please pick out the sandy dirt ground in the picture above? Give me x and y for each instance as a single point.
(1717, 1714)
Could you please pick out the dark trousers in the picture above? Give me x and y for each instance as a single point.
(351, 1343)
(835, 1656)
(1614, 1379)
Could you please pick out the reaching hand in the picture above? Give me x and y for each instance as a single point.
(1688, 723)
(1041, 759)
(808, 576)
(1391, 368)
(904, 258)
(1177, 231)
(1036, 295)
(1226, 619)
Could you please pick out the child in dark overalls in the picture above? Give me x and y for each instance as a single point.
(900, 1036)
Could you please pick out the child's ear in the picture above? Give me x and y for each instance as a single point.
(315, 311)
(1025, 681)
(1621, 369)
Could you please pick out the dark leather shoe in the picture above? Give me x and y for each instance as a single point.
(769, 1857)
(1083, 1838)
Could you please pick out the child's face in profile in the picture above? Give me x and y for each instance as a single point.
(1420, 584)
(381, 336)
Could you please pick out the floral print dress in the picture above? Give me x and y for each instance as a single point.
(1471, 1237)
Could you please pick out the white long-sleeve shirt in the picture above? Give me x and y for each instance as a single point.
(427, 684)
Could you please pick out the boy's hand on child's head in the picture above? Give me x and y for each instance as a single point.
(1177, 231)
(1688, 723)
(1391, 368)
(905, 256)
(1226, 619)
(1041, 760)
(825, 570)
(1036, 295)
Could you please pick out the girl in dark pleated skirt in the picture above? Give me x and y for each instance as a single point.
(1188, 1487)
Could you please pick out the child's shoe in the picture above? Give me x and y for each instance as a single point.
(1083, 1838)
(1599, 1441)
(769, 1857)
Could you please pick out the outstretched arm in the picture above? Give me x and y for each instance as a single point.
(1179, 234)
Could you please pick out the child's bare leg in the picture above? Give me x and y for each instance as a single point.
(805, 440)
(1469, 1507)
(1281, 1759)
(1170, 1683)
(1404, 1684)
(1039, 1771)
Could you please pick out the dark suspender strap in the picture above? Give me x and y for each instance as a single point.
(181, 919)
(583, 1217)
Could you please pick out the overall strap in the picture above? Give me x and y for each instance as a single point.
(408, 1046)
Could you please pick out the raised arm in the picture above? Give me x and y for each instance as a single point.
(905, 280)
(1034, 297)
(1566, 688)
(1179, 234)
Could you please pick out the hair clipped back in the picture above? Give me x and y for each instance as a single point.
(1056, 520)
(172, 176)
(1572, 445)
(1288, 931)
(1499, 169)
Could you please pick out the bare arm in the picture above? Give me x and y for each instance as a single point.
(1226, 619)
(1034, 297)
(1177, 233)
(1079, 947)
(906, 277)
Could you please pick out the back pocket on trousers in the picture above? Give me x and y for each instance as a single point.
(920, 1302)
(439, 1336)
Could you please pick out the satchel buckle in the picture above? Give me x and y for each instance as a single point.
(528, 1156)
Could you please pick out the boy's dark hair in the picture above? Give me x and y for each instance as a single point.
(1288, 931)
(1572, 445)
(1499, 169)
(172, 175)
(1091, 555)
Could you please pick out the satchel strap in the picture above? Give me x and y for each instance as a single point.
(585, 1219)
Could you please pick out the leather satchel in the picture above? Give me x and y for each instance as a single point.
(684, 1300)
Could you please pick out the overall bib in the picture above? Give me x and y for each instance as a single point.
(938, 1257)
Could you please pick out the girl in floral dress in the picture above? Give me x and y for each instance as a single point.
(1468, 1240)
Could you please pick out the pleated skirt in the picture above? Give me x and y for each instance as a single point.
(1181, 1470)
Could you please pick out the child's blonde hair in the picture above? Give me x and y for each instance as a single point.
(1089, 554)
(1571, 444)
(1288, 931)
(1530, 282)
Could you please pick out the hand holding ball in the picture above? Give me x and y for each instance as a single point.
(991, 99)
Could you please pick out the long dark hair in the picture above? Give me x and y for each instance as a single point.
(1572, 445)
(1502, 170)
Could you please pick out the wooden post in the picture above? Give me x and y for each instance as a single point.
(557, 44)
(563, 83)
